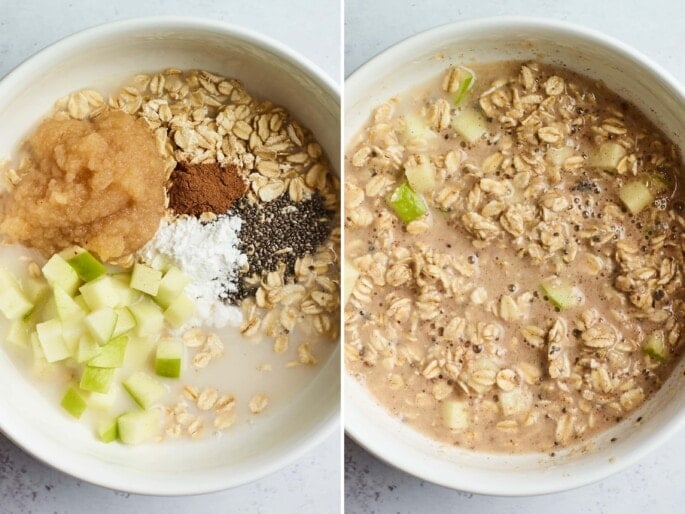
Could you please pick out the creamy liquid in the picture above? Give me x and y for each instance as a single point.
(237, 372)
(501, 268)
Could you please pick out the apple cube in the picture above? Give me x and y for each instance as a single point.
(78, 300)
(105, 401)
(111, 355)
(13, 302)
(180, 311)
(18, 333)
(103, 292)
(108, 431)
(125, 321)
(138, 426)
(58, 273)
(86, 266)
(97, 379)
(607, 156)
(145, 390)
(67, 308)
(149, 317)
(88, 348)
(127, 296)
(470, 125)
(455, 414)
(173, 283)
(101, 324)
(51, 340)
(72, 331)
(145, 279)
(169, 358)
(73, 402)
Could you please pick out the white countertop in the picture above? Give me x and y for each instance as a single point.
(655, 485)
(312, 484)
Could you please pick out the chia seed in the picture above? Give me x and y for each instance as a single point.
(279, 232)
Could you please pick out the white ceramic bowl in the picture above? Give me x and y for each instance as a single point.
(631, 75)
(108, 55)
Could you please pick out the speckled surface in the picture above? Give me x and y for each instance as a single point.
(655, 485)
(312, 484)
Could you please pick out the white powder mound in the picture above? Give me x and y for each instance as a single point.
(208, 253)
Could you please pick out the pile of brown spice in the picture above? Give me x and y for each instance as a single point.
(208, 187)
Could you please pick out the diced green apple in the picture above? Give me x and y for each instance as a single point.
(607, 156)
(561, 294)
(104, 402)
(414, 127)
(655, 346)
(558, 155)
(111, 354)
(138, 426)
(145, 390)
(19, 333)
(169, 358)
(67, 308)
(173, 284)
(180, 311)
(145, 279)
(102, 292)
(73, 402)
(635, 195)
(407, 203)
(514, 402)
(51, 340)
(149, 317)
(13, 302)
(97, 380)
(125, 321)
(101, 324)
(108, 430)
(72, 331)
(88, 348)
(86, 266)
(467, 79)
(455, 414)
(420, 174)
(78, 299)
(127, 296)
(58, 272)
(470, 125)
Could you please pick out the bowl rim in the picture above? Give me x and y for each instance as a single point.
(329, 421)
(357, 427)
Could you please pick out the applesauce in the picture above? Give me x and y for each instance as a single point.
(97, 183)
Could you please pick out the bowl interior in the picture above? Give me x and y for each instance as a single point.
(103, 58)
(415, 61)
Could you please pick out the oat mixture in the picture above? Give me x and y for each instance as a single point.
(515, 257)
(200, 119)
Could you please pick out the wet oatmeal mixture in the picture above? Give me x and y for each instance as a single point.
(514, 245)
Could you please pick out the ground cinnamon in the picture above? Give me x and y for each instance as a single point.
(210, 187)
